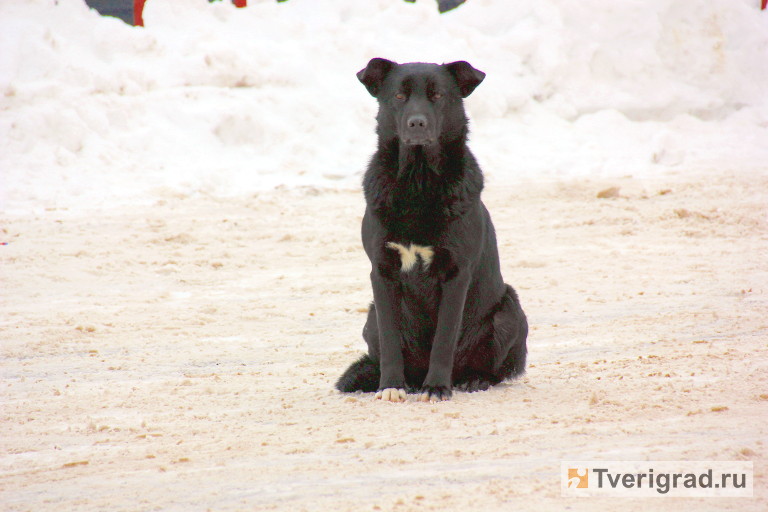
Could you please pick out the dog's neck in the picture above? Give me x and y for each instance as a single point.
(416, 161)
(410, 182)
(424, 162)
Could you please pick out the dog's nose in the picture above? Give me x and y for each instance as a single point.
(417, 121)
(418, 130)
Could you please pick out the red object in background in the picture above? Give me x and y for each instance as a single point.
(138, 9)
(765, 3)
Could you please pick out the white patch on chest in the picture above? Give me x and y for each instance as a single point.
(410, 255)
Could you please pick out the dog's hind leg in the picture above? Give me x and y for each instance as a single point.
(476, 382)
(500, 351)
(510, 331)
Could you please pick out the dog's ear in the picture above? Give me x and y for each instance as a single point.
(374, 74)
(466, 76)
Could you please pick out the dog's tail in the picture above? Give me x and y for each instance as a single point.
(362, 375)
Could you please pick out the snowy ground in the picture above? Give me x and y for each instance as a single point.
(181, 356)
(183, 279)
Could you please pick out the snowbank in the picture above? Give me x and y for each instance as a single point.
(209, 99)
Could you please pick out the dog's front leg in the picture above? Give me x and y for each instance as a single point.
(437, 385)
(386, 295)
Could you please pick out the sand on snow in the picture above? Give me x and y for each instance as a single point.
(181, 356)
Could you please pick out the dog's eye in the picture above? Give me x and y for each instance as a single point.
(400, 96)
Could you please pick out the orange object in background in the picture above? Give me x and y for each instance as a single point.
(138, 9)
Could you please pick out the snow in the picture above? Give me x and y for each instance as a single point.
(181, 356)
(180, 213)
(210, 99)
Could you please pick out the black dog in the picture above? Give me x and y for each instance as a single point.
(441, 316)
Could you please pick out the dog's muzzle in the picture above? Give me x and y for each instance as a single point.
(417, 131)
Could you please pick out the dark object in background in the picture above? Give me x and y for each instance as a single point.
(444, 5)
(122, 9)
(447, 5)
(131, 11)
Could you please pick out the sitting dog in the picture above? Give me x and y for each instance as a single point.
(442, 317)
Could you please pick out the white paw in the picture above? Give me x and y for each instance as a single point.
(391, 395)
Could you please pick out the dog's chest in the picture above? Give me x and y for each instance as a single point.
(413, 257)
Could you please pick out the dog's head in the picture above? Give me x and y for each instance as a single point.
(420, 104)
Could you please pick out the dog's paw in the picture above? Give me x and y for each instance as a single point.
(391, 395)
(435, 393)
(474, 385)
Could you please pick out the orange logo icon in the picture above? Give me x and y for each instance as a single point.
(578, 478)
